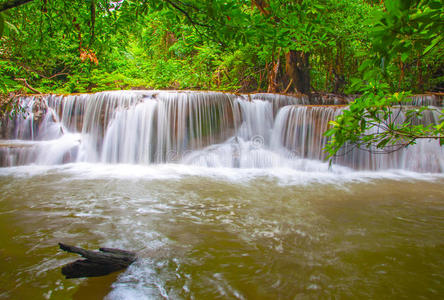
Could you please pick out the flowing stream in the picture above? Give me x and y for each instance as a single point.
(223, 196)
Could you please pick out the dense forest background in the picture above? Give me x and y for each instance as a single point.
(235, 45)
(382, 51)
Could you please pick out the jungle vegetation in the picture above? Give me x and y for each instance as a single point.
(382, 51)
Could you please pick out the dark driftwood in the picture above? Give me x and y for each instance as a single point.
(97, 263)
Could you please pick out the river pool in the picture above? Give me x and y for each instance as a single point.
(204, 233)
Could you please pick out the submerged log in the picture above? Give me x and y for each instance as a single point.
(97, 263)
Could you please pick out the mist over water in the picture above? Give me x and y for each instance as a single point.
(198, 128)
(223, 234)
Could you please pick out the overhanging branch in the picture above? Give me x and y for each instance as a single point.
(185, 13)
(26, 84)
(12, 3)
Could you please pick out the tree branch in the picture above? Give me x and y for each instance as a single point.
(26, 84)
(193, 22)
(31, 70)
(12, 3)
(185, 14)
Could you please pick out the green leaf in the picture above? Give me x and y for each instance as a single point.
(405, 56)
(330, 132)
(436, 5)
(334, 123)
(383, 143)
(433, 44)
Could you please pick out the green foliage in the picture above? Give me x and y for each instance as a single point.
(408, 31)
(237, 45)
(216, 44)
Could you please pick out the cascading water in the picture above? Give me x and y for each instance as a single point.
(203, 128)
(300, 130)
(221, 196)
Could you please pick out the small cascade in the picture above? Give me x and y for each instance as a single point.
(330, 99)
(40, 123)
(129, 135)
(299, 129)
(209, 129)
(16, 153)
(279, 101)
(164, 126)
(257, 119)
(426, 100)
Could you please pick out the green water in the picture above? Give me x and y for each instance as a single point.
(203, 237)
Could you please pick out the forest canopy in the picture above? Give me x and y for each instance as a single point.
(382, 51)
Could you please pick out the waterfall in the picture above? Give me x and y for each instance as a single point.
(425, 100)
(300, 130)
(209, 129)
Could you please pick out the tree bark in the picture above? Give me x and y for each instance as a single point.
(262, 6)
(420, 81)
(12, 3)
(339, 79)
(297, 65)
(297, 68)
(26, 84)
(273, 73)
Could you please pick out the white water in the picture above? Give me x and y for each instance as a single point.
(209, 233)
(205, 129)
(222, 196)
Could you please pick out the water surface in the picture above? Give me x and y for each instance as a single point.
(223, 233)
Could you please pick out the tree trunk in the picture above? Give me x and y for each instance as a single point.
(297, 68)
(420, 81)
(339, 79)
(273, 73)
(26, 84)
(262, 6)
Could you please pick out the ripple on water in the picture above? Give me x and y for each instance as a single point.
(217, 236)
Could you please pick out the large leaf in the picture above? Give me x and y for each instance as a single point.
(434, 42)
